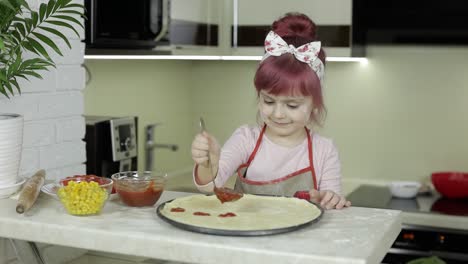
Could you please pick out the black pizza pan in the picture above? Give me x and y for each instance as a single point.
(226, 232)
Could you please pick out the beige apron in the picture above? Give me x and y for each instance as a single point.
(301, 180)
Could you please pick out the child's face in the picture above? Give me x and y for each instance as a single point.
(285, 115)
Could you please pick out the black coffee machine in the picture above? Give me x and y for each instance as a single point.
(111, 145)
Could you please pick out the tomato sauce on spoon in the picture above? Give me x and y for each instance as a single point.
(227, 194)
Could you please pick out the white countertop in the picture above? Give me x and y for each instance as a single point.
(352, 235)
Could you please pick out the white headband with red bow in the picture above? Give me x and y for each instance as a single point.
(307, 53)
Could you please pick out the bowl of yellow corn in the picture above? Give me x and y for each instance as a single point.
(83, 195)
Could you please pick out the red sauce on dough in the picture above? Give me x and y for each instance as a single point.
(227, 215)
(139, 199)
(177, 209)
(201, 213)
(227, 195)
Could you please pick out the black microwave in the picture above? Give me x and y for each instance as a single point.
(123, 24)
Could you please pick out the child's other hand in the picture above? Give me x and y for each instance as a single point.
(329, 199)
(203, 145)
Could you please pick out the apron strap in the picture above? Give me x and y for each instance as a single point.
(257, 145)
(311, 158)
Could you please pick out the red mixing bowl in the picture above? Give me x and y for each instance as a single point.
(451, 184)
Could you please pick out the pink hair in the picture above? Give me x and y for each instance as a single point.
(287, 76)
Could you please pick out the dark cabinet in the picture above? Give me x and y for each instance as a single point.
(416, 22)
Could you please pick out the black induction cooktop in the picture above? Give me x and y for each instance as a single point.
(431, 202)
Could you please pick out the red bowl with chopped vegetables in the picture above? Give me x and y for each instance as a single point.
(139, 189)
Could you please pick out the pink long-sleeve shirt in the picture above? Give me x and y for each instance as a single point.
(273, 161)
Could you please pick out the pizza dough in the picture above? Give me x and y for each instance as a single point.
(252, 212)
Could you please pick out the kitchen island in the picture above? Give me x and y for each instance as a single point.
(352, 235)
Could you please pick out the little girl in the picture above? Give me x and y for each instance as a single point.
(281, 156)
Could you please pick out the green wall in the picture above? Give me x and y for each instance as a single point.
(156, 92)
(401, 116)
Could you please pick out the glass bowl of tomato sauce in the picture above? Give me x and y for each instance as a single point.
(139, 189)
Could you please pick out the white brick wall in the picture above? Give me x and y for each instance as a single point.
(53, 109)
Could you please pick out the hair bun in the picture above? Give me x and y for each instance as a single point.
(294, 26)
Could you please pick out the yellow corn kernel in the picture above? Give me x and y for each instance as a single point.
(82, 198)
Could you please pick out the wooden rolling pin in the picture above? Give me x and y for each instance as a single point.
(30, 191)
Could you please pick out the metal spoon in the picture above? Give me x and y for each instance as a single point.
(223, 194)
(203, 129)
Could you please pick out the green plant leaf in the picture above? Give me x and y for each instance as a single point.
(14, 67)
(29, 47)
(26, 63)
(63, 3)
(7, 4)
(16, 37)
(28, 23)
(20, 28)
(50, 7)
(63, 24)
(19, 33)
(58, 33)
(56, 6)
(74, 6)
(69, 18)
(44, 62)
(47, 41)
(70, 12)
(35, 18)
(8, 86)
(37, 68)
(38, 47)
(42, 11)
(2, 90)
(18, 19)
(35, 74)
(30, 62)
(24, 4)
(36, 64)
(22, 76)
(3, 76)
(15, 83)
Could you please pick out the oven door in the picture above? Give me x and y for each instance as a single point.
(416, 242)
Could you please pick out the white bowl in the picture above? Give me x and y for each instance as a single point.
(7, 190)
(404, 189)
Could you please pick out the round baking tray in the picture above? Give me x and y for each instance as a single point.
(225, 232)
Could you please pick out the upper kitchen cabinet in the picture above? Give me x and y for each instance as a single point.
(238, 27)
(252, 21)
(195, 28)
(208, 27)
(155, 27)
(113, 26)
(416, 22)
